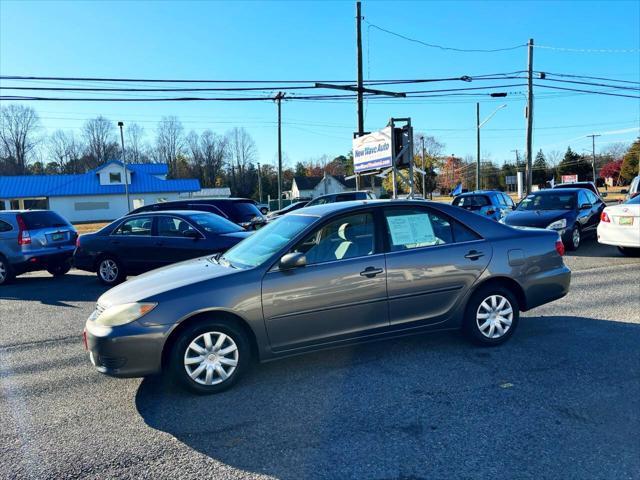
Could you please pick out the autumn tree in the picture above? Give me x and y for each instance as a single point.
(629, 168)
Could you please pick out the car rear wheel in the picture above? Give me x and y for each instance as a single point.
(492, 315)
(110, 271)
(576, 238)
(59, 269)
(209, 357)
(6, 273)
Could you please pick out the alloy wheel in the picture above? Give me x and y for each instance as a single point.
(494, 316)
(575, 237)
(108, 270)
(211, 358)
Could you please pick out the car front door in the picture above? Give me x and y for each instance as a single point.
(340, 293)
(585, 215)
(178, 240)
(432, 261)
(133, 243)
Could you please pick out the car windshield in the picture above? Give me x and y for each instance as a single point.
(263, 244)
(320, 201)
(548, 201)
(472, 201)
(246, 210)
(214, 223)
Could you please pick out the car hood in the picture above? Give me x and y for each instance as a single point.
(535, 218)
(240, 235)
(164, 279)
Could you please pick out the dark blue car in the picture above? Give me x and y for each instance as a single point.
(573, 212)
(488, 203)
(141, 242)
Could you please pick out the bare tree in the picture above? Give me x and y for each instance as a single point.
(66, 150)
(18, 128)
(213, 149)
(100, 140)
(169, 142)
(135, 147)
(240, 154)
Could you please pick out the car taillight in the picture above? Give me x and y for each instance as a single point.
(604, 217)
(78, 242)
(491, 212)
(24, 237)
(560, 247)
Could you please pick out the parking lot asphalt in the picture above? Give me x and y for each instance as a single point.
(560, 400)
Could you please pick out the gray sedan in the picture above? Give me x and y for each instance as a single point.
(322, 277)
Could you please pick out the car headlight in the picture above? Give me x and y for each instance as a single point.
(123, 314)
(558, 224)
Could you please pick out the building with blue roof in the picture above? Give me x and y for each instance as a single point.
(96, 195)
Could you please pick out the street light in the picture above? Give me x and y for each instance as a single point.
(124, 163)
(479, 125)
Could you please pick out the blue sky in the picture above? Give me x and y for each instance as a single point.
(316, 40)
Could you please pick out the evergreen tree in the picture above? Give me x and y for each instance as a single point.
(540, 169)
(575, 164)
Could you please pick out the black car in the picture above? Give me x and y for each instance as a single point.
(241, 211)
(288, 209)
(573, 212)
(144, 241)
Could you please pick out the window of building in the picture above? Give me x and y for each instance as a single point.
(115, 177)
(2, 207)
(36, 204)
(138, 202)
(14, 204)
(81, 206)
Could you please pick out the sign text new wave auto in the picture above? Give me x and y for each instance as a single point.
(372, 151)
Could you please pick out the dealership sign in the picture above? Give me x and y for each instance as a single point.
(569, 178)
(372, 151)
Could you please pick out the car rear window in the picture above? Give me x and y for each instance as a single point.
(246, 210)
(46, 219)
(472, 201)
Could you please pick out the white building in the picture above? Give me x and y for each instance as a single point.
(312, 187)
(96, 195)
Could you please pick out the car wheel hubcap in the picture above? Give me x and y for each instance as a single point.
(494, 316)
(211, 358)
(108, 270)
(576, 237)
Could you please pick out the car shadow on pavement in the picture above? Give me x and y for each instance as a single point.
(428, 406)
(61, 291)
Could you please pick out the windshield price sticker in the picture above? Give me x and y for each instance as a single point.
(411, 229)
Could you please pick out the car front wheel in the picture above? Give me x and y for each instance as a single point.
(576, 238)
(492, 315)
(209, 357)
(110, 271)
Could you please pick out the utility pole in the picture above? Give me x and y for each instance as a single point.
(478, 146)
(124, 163)
(278, 99)
(593, 153)
(359, 85)
(259, 183)
(529, 153)
(424, 170)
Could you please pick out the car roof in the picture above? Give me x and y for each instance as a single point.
(165, 212)
(478, 192)
(564, 190)
(328, 208)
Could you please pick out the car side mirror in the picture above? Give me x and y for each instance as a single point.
(585, 206)
(293, 260)
(192, 234)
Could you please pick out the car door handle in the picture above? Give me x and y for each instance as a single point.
(371, 272)
(474, 255)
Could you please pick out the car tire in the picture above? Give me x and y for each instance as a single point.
(629, 251)
(492, 315)
(196, 362)
(110, 271)
(6, 272)
(59, 269)
(576, 238)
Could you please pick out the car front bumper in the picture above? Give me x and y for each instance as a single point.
(131, 350)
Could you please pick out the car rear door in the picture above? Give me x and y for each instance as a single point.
(134, 244)
(340, 293)
(432, 261)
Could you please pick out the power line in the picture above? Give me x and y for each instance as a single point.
(587, 91)
(589, 77)
(589, 50)
(442, 47)
(577, 82)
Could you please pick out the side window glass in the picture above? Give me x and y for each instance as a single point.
(347, 237)
(582, 198)
(5, 227)
(173, 227)
(592, 198)
(507, 200)
(413, 228)
(135, 227)
(463, 234)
